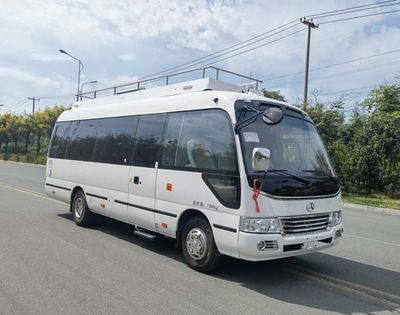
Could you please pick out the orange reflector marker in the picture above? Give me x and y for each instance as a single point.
(164, 225)
(169, 186)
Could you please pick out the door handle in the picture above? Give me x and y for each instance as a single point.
(136, 180)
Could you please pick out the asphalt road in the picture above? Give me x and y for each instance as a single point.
(48, 265)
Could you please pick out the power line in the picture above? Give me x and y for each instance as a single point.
(351, 8)
(255, 39)
(21, 106)
(334, 64)
(216, 61)
(58, 96)
(358, 70)
(353, 89)
(352, 71)
(17, 104)
(270, 42)
(251, 41)
(358, 17)
(358, 10)
(372, 5)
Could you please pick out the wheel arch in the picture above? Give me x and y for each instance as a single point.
(73, 193)
(183, 218)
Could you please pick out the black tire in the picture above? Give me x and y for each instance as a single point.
(80, 211)
(202, 258)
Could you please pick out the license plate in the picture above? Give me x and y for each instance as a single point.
(310, 244)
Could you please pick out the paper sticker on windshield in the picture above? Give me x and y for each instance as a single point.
(251, 137)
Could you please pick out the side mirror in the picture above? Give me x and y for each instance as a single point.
(260, 159)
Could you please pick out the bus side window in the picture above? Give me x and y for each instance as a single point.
(59, 140)
(81, 141)
(149, 132)
(200, 140)
(170, 140)
(115, 139)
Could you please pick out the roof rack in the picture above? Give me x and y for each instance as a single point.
(166, 80)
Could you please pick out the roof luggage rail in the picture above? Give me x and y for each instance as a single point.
(165, 80)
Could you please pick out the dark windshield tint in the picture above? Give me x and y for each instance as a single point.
(295, 147)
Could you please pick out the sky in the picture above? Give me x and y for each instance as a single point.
(122, 40)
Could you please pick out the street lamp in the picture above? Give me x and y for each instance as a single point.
(86, 83)
(80, 68)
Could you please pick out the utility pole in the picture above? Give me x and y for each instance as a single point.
(33, 99)
(310, 24)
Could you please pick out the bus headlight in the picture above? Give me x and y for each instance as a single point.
(260, 225)
(336, 218)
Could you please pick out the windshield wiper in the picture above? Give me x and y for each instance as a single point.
(318, 172)
(287, 173)
(249, 120)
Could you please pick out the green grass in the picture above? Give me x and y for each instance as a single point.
(374, 200)
(29, 158)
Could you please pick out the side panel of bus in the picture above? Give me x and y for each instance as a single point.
(143, 173)
(198, 170)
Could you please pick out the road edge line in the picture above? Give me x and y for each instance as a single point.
(29, 192)
(23, 163)
(367, 292)
(355, 206)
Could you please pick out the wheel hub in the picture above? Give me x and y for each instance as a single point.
(78, 209)
(196, 243)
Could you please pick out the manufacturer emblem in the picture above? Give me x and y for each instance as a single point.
(310, 207)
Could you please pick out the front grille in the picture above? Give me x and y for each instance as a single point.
(305, 224)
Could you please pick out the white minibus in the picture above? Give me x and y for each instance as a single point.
(221, 170)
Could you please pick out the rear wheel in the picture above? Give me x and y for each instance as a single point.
(198, 245)
(80, 211)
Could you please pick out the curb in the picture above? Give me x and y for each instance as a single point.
(371, 209)
(31, 164)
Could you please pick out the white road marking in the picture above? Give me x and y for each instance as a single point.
(29, 192)
(371, 239)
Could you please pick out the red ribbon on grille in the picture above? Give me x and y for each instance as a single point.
(257, 191)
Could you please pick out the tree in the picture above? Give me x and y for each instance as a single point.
(384, 99)
(329, 120)
(276, 95)
(17, 129)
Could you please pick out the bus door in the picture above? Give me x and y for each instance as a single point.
(143, 173)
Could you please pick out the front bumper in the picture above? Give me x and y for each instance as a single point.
(289, 245)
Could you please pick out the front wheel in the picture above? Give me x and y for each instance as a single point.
(80, 210)
(198, 245)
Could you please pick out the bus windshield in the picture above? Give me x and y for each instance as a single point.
(299, 164)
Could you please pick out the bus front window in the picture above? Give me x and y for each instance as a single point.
(299, 164)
